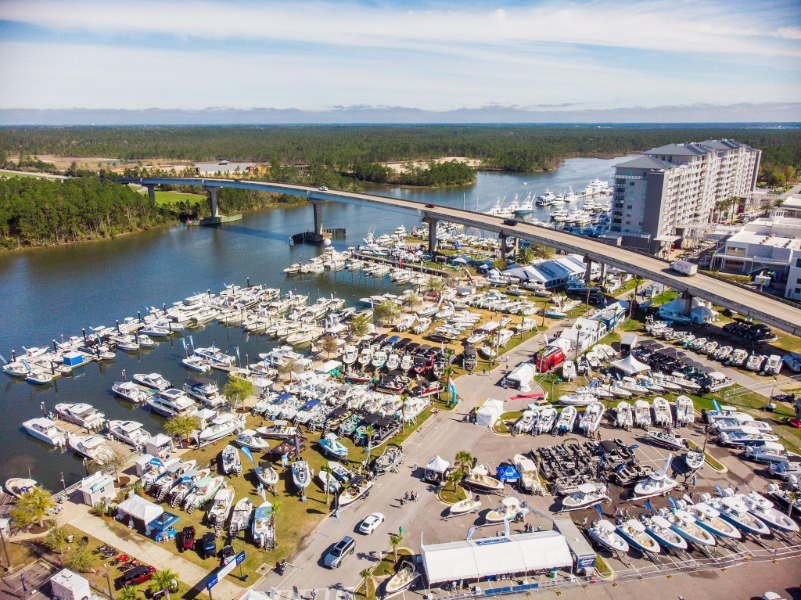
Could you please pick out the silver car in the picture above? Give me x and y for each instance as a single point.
(338, 553)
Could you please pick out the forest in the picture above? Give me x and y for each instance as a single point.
(38, 212)
(354, 149)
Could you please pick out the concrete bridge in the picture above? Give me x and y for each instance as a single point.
(747, 302)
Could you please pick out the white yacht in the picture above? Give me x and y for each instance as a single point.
(46, 430)
(196, 363)
(128, 390)
(130, 432)
(92, 447)
(546, 199)
(172, 402)
(204, 391)
(81, 414)
(152, 380)
(215, 356)
(222, 426)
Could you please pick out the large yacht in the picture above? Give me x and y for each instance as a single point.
(130, 432)
(92, 447)
(46, 430)
(205, 391)
(129, 391)
(172, 402)
(81, 414)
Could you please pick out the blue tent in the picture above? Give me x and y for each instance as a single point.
(507, 473)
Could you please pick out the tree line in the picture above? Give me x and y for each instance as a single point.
(38, 212)
(340, 149)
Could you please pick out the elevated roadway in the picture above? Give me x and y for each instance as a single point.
(749, 303)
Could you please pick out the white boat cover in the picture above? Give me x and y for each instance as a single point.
(474, 559)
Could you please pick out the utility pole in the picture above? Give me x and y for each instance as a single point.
(9, 568)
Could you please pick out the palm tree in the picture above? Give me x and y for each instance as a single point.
(276, 510)
(455, 477)
(128, 593)
(181, 427)
(464, 459)
(394, 542)
(365, 575)
(578, 339)
(163, 580)
(327, 470)
(359, 325)
(369, 433)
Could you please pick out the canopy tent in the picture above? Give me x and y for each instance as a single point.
(328, 367)
(489, 414)
(478, 559)
(507, 473)
(630, 365)
(437, 468)
(137, 508)
(521, 376)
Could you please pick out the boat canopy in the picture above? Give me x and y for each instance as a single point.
(438, 465)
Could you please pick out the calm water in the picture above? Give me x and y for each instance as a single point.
(47, 293)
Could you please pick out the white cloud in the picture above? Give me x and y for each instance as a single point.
(664, 25)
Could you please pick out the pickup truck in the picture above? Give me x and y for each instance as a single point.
(684, 267)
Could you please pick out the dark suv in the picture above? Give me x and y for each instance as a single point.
(338, 553)
(135, 575)
(208, 545)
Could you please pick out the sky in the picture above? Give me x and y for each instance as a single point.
(522, 57)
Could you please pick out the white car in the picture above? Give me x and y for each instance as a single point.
(371, 523)
(323, 188)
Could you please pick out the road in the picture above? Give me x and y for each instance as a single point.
(762, 307)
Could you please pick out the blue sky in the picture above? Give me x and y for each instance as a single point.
(434, 56)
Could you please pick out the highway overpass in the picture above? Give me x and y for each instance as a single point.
(761, 307)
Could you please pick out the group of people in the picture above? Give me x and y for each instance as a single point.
(409, 497)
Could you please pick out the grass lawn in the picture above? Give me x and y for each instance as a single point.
(450, 496)
(388, 566)
(370, 595)
(790, 343)
(163, 198)
(507, 422)
(19, 555)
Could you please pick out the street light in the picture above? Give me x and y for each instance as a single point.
(108, 580)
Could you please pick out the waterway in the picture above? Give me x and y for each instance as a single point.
(50, 292)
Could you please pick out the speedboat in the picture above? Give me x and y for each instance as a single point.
(658, 483)
(661, 530)
(771, 453)
(170, 477)
(152, 380)
(546, 421)
(340, 472)
(404, 579)
(527, 469)
(262, 527)
(92, 447)
(526, 421)
(266, 473)
(586, 496)
(579, 399)
(221, 426)
(663, 417)
(762, 508)
(603, 532)
(130, 432)
(329, 482)
(196, 363)
(46, 430)
(231, 462)
(685, 412)
(624, 418)
(333, 447)
(694, 459)
(223, 502)
(17, 486)
(567, 419)
(81, 414)
(786, 498)
(684, 524)
(510, 509)
(709, 518)
(735, 511)
(666, 439)
(240, 518)
(300, 474)
(463, 507)
(358, 488)
(479, 478)
(747, 436)
(591, 419)
(185, 485)
(635, 534)
(250, 439)
(129, 391)
(203, 491)
(351, 354)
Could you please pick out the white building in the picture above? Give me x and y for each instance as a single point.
(554, 273)
(97, 488)
(584, 333)
(224, 168)
(768, 244)
(792, 206)
(666, 196)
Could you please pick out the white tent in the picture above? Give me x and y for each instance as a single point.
(327, 367)
(489, 414)
(139, 509)
(477, 559)
(521, 376)
(630, 365)
(436, 469)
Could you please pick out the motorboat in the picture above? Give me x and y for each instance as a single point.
(172, 475)
(635, 534)
(203, 491)
(130, 432)
(479, 479)
(185, 485)
(333, 447)
(579, 399)
(262, 529)
(591, 419)
(546, 421)
(707, 517)
(510, 509)
(240, 517)
(266, 474)
(585, 496)
(222, 426)
(624, 415)
(196, 363)
(763, 509)
(17, 486)
(301, 476)
(46, 430)
(156, 470)
(568, 370)
(463, 507)
(231, 462)
(786, 498)
(250, 439)
(771, 453)
(340, 472)
(527, 469)
(172, 402)
(221, 507)
(128, 390)
(685, 411)
(728, 425)
(404, 579)
(393, 362)
(736, 512)
(661, 530)
(215, 356)
(755, 362)
(657, 484)
(684, 524)
(92, 447)
(81, 414)
(666, 439)
(526, 421)
(329, 483)
(738, 357)
(694, 460)
(663, 416)
(567, 419)
(17, 369)
(604, 533)
(379, 359)
(747, 436)
(351, 354)
(153, 381)
(204, 391)
(358, 488)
